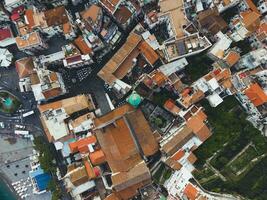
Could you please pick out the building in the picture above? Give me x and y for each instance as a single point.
(73, 57)
(124, 60)
(253, 59)
(4, 16)
(211, 21)
(186, 46)
(5, 58)
(259, 38)
(165, 76)
(251, 93)
(6, 36)
(93, 17)
(31, 42)
(127, 142)
(55, 3)
(224, 5)
(54, 116)
(217, 85)
(262, 7)
(111, 5)
(12, 4)
(51, 22)
(79, 180)
(171, 10)
(127, 12)
(244, 25)
(44, 83)
(178, 144)
(220, 48)
(82, 45)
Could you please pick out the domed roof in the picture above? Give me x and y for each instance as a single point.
(134, 99)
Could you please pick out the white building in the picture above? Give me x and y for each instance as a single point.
(5, 58)
(219, 49)
(253, 59)
(262, 6)
(11, 4)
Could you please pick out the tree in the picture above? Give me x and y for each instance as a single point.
(46, 155)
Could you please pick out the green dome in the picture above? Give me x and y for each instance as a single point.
(134, 99)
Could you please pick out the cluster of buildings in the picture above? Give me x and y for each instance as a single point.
(155, 115)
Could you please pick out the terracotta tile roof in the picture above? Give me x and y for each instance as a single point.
(252, 6)
(67, 28)
(148, 52)
(97, 157)
(31, 40)
(118, 146)
(122, 15)
(196, 123)
(204, 133)
(135, 175)
(226, 2)
(110, 4)
(82, 46)
(251, 20)
(34, 78)
(89, 169)
(71, 105)
(91, 13)
(78, 145)
(54, 92)
(211, 20)
(256, 94)
(79, 176)
(192, 158)
(118, 128)
(191, 192)
(56, 16)
(24, 67)
(180, 138)
(170, 106)
(178, 155)
(232, 58)
(262, 28)
(124, 135)
(173, 164)
(29, 15)
(143, 132)
(107, 72)
(224, 74)
(114, 114)
(159, 78)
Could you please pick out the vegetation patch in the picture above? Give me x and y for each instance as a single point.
(243, 160)
(162, 174)
(238, 152)
(198, 66)
(48, 164)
